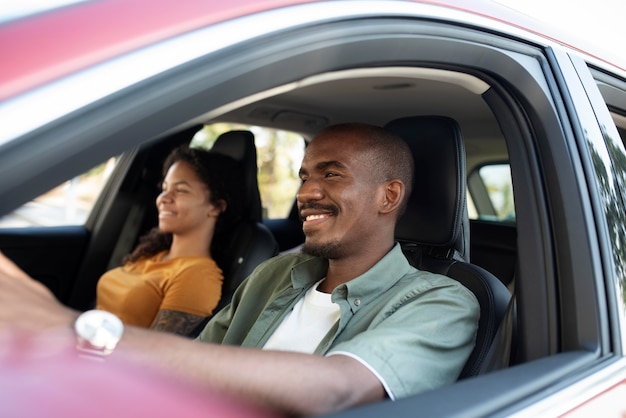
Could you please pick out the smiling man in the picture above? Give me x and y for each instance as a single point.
(333, 200)
(346, 322)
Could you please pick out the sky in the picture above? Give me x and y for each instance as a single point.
(600, 22)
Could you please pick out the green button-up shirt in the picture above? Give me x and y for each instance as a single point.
(412, 328)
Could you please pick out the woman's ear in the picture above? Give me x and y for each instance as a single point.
(392, 196)
(216, 209)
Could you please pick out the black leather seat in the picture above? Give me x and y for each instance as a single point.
(434, 230)
(251, 242)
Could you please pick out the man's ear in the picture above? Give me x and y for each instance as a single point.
(393, 194)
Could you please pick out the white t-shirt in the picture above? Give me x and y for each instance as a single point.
(308, 323)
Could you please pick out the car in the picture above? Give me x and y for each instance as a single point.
(109, 86)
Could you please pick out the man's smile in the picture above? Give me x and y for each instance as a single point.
(316, 217)
(313, 211)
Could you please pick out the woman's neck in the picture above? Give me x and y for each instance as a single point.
(190, 246)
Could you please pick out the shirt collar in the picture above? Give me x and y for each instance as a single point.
(383, 275)
(308, 272)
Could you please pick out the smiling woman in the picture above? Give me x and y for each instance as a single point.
(171, 281)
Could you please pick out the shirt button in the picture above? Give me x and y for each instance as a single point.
(357, 302)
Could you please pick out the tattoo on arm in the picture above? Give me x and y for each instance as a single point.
(177, 322)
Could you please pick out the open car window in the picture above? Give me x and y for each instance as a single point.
(70, 203)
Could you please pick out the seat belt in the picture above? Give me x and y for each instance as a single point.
(127, 239)
(501, 349)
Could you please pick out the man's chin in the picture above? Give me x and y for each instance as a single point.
(328, 250)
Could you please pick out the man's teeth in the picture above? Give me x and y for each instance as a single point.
(313, 217)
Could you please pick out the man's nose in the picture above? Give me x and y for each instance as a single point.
(310, 190)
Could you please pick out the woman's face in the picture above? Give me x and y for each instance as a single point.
(183, 204)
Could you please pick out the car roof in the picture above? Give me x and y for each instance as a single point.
(48, 45)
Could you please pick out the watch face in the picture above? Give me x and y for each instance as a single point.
(98, 330)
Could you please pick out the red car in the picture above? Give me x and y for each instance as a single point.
(542, 173)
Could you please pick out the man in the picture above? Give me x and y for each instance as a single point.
(346, 323)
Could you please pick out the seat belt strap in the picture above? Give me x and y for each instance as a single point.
(499, 353)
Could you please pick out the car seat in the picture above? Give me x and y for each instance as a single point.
(251, 242)
(434, 229)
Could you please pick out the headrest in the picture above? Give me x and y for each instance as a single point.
(436, 215)
(240, 146)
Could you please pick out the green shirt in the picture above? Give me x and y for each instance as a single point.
(412, 328)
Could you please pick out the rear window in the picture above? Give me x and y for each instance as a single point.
(490, 193)
(279, 154)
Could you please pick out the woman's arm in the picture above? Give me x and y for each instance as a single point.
(180, 323)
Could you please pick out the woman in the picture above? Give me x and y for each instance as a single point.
(171, 281)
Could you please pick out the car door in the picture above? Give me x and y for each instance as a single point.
(541, 103)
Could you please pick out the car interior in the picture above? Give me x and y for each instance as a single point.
(455, 134)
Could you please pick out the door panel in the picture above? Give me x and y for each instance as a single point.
(493, 246)
(52, 255)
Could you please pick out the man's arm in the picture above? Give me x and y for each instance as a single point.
(296, 383)
(290, 382)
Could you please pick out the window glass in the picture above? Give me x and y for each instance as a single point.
(279, 154)
(611, 177)
(68, 204)
(490, 193)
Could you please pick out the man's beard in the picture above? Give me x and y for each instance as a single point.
(327, 250)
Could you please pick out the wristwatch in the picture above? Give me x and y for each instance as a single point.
(97, 332)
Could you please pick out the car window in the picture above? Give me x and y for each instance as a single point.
(279, 154)
(69, 203)
(490, 193)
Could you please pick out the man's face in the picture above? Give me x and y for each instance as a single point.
(338, 198)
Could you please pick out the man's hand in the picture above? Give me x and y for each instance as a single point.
(27, 304)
